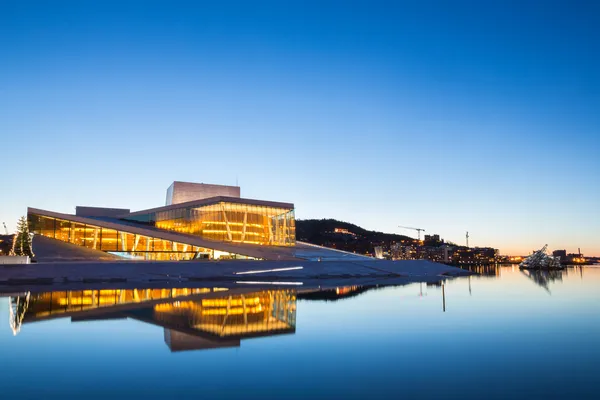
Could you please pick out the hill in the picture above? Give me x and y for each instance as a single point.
(344, 235)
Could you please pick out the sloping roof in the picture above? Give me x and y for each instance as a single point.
(51, 250)
(211, 200)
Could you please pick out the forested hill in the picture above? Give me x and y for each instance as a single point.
(322, 232)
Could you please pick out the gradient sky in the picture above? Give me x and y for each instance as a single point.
(449, 116)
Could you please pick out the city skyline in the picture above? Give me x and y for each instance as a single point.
(448, 117)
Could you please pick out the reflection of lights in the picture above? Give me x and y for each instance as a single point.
(233, 224)
(232, 232)
(267, 270)
(345, 289)
(232, 302)
(269, 283)
(233, 311)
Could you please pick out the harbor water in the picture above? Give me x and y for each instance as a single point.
(503, 333)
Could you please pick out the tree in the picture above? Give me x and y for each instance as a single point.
(22, 243)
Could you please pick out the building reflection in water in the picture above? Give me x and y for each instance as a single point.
(544, 278)
(484, 270)
(345, 292)
(198, 318)
(334, 294)
(192, 318)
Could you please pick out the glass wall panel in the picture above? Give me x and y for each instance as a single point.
(126, 241)
(142, 243)
(161, 245)
(46, 226)
(133, 246)
(33, 221)
(63, 230)
(78, 233)
(109, 240)
(92, 237)
(233, 222)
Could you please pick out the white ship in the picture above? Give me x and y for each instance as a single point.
(541, 260)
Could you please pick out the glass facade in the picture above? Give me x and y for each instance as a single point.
(229, 222)
(120, 242)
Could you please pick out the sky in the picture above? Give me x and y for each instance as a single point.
(478, 116)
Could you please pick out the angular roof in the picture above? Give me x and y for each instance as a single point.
(212, 200)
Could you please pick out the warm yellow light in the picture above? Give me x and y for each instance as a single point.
(232, 232)
(232, 302)
(232, 311)
(233, 224)
(75, 301)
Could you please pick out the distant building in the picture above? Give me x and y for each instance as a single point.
(432, 238)
(560, 253)
(445, 253)
(475, 255)
(574, 258)
(395, 251)
(343, 231)
(378, 252)
(431, 253)
(400, 252)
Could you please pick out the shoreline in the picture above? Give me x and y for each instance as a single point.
(68, 275)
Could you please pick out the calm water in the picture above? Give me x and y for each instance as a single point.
(502, 335)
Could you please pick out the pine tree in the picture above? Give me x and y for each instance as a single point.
(22, 245)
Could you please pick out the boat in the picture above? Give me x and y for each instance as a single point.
(541, 260)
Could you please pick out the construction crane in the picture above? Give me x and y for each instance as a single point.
(414, 229)
(5, 228)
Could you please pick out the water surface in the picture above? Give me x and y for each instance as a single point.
(503, 334)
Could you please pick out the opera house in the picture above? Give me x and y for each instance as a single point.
(199, 221)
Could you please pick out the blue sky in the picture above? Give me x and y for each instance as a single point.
(450, 116)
